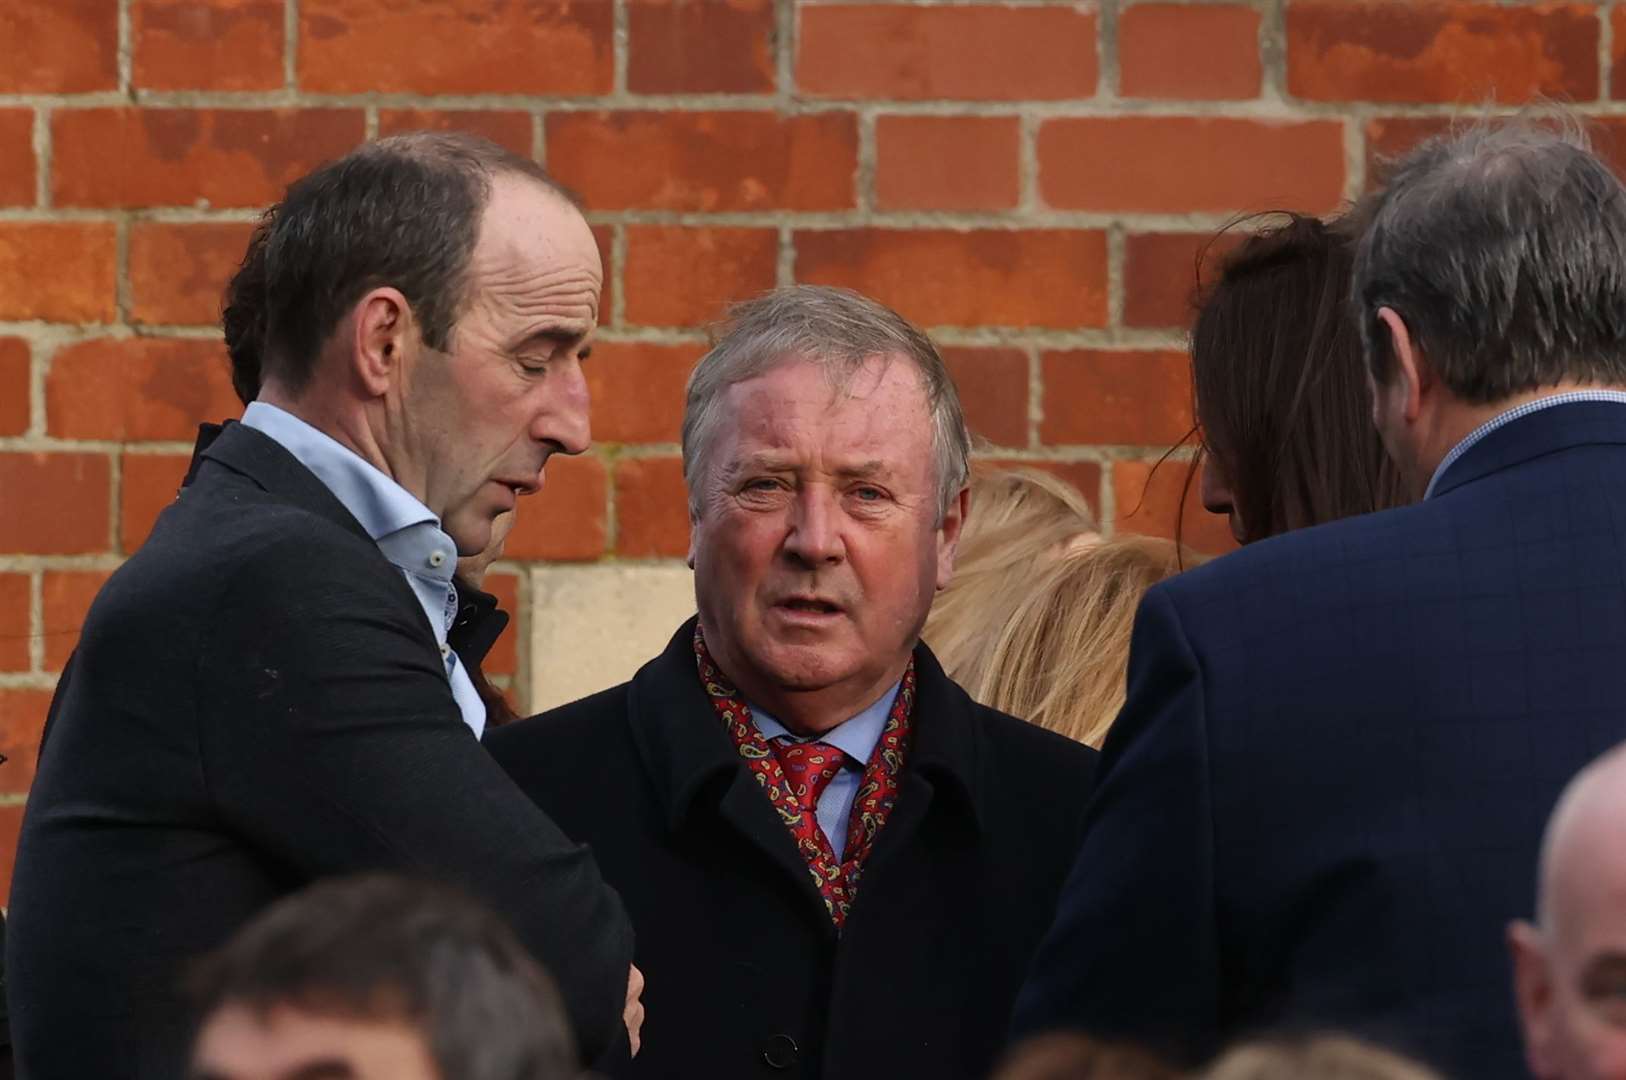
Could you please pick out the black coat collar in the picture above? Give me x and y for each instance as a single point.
(691, 759)
(1546, 431)
(478, 624)
(263, 460)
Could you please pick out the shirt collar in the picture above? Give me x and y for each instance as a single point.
(855, 737)
(1502, 419)
(377, 502)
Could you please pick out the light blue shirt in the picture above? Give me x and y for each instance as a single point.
(405, 530)
(1516, 413)
(856, 738)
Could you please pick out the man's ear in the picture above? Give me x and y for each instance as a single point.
(1533, 990)
(1410, 370)
(380, 331)
(948, 535)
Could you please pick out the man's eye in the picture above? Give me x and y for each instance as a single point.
(869, 494)
(583, 356)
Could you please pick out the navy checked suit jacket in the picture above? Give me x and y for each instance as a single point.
(1324, 797)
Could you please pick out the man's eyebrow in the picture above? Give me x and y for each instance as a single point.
(565, 333)
(865, 469)
(322, 1069)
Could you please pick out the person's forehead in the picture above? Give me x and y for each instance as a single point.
(883, 395)
(527, 222)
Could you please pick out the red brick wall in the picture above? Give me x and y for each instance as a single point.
(1031, 180)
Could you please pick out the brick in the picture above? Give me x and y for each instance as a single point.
(147, 484)
(938, 277)
(1130, 397)
(1084, 476)
(137, 389)
(993, 387)
(16, 623)
(1164, 271)
(684, 277)
(1189, 52)
(1181, 164)
(1407, 50)
(66, 596)
(981, 52)
(567, 519)
(59, 46)
(509, 128)
(192, 157)
(637, 390)
(11, 824)
(1388, 138)
(1617, 50)
(178, 272)
(706, 161)
(22, 721)
(456, 46)
(700, 46)
(207, 44)
(947, 162)
(58, 271)
(67, 496)
(651, 508)
(15, 364)
(503, 659)
(17, 161)
(1158, 500)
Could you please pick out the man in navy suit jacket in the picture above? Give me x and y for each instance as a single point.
(1321, 802)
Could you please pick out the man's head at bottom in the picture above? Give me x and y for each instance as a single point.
(1570, 964)
(377, 977)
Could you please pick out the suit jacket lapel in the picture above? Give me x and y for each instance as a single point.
(695, 766)
(262, 459)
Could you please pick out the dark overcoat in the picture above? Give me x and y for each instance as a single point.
(1324, 798)
(257, 701)
(746, 973)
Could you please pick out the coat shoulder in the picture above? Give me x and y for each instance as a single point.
(552, 740)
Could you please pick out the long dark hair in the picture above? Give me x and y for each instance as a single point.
(1279, 382)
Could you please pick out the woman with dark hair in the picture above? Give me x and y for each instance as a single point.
(1283, 409)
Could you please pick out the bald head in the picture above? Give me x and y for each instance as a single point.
(1583, 856)
(1570, 968)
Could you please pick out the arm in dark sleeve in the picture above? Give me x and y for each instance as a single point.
(1132, 952)
(331, 742)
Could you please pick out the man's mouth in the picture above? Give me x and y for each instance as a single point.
(811, 605)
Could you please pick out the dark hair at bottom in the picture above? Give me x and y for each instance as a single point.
(381, 947)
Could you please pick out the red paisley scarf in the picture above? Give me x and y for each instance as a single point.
(877, 791)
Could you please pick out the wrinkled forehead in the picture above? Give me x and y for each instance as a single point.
(872, 407)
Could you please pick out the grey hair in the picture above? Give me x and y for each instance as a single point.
(839, 330)
(1503, 249)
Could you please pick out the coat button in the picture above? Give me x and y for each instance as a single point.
(779, 1051)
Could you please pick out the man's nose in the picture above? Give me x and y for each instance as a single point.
(814, 537)
(562, 418)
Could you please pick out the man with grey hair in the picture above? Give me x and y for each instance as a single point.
(837, 864)
(1570, 967)
(1327, 783)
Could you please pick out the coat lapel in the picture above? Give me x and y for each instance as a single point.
(695, 766)
(262, 459)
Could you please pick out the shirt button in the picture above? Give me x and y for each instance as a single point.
(437, 559)
(445, 651)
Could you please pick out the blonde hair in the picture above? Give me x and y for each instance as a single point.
(1019, 518)
(1060, 659)
(1326, 1057)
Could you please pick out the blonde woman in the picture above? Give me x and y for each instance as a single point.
(1020, 520)
(1036, 621)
